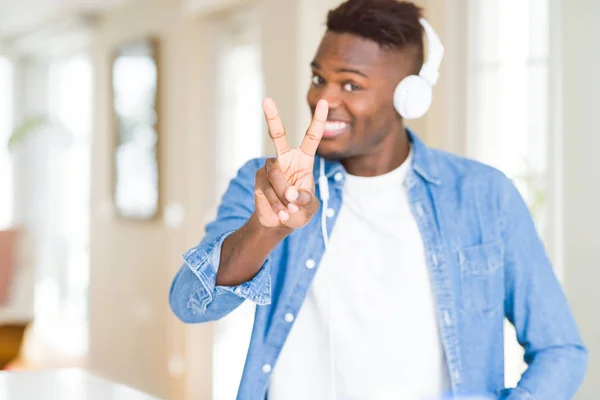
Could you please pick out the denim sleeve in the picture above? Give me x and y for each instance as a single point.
(194, 296)
(536, 305)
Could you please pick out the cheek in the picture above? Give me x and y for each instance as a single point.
(367, 114)
(360, 110)
(373, 120)
(312, 97)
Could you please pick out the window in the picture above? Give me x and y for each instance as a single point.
(241, 134)
(509, 124)
(240, 138)
(63, 245)
(6, 126)
(508, 106)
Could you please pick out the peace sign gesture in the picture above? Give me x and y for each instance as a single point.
(285, 188)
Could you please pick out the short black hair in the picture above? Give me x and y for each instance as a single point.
(391, 24)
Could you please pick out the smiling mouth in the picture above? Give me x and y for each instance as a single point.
(335, 128)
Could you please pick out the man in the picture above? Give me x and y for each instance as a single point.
(399, 286)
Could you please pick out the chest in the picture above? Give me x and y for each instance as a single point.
(378, 249)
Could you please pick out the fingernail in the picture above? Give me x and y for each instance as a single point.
(293, 208)
(292, 194)
(304, 197)
(283, 216)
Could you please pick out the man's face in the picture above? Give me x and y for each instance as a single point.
(357, 77)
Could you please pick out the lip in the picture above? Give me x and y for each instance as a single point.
(334, 128)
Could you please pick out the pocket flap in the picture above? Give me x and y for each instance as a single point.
(481, 259)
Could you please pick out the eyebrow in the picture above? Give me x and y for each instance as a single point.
(316, 65)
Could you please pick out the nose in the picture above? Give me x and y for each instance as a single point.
(333, 94)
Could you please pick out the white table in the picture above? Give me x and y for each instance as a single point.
(63, 384)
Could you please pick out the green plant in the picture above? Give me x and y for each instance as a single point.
(25, 129)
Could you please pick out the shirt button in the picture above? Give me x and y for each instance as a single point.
(330, 212)
(289, 317)
(338, 176)
(266, 368)
(310, 263)
(447, 319)
(419, 209)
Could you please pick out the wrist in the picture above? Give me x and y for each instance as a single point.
(279, 232)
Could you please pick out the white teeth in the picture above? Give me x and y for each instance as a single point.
(334, 125)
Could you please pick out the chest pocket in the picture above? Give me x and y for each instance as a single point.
(482, 277)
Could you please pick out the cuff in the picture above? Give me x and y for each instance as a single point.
(516, 394)
(204, 262)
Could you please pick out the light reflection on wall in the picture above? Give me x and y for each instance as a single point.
(135, 78)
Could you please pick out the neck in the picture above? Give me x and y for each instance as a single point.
(386, 156)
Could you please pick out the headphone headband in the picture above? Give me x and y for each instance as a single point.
(413, 95)
(430, 69)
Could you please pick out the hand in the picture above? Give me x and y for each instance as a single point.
(284, 194)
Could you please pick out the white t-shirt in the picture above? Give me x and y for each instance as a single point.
(385, 343)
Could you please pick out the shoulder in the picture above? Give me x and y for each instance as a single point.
(470, 183)
(254, 164)
(458, 171)
(242, 185)
(250, 168)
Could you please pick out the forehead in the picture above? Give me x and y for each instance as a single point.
(345, 49)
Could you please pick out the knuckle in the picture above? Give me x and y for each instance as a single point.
(270, 195)
(269, 165)
(309, 134)
(259, 180)
(277, 134)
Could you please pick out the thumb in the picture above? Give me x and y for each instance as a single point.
(302, 198)
(298, 196)
(307, 201)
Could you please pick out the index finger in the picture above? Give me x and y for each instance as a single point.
(276, 129)
(313, 136)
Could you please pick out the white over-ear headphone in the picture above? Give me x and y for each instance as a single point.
(413, 94)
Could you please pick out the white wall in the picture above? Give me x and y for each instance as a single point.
(581, 87)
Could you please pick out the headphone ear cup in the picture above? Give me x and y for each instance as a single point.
(412, 97)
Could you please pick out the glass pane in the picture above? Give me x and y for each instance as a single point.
(539, 26)
(61, 292)
(509, 98)
(538, 116)
(241, 134)
(514, 31)
(485, 21)
(135, 88)
(484, 130)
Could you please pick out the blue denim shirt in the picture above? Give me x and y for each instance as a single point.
(485, 260)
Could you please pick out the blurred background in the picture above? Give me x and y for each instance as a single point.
(121, 122)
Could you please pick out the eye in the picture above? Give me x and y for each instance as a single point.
(349, 87)
(317, 80)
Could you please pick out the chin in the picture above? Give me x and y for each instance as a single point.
(330, 153)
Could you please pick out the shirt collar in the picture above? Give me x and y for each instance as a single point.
(423, 162)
